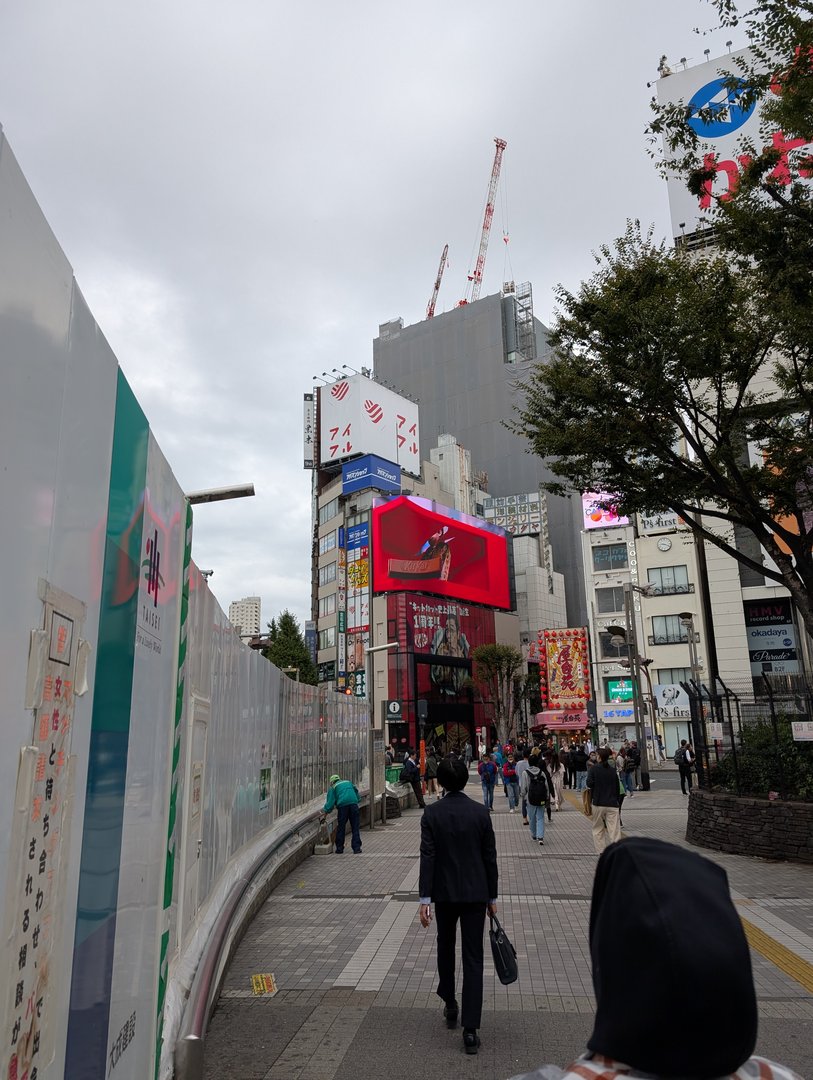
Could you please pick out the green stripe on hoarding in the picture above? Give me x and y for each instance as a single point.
(109, 744)
(169, 871)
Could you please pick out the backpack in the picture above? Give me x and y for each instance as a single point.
(680, 756)
(537, 789)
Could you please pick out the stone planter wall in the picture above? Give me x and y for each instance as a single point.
(781, 831)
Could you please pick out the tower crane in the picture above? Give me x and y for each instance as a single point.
(476, 278)
(430, 310)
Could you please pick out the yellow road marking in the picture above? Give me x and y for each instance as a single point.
(801, 971)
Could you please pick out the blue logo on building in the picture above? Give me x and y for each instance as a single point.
(724, 105)
(371, 472)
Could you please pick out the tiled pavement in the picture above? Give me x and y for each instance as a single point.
(356, 972)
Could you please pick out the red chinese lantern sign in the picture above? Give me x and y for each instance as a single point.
(568, 670)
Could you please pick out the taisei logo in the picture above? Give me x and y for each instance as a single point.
(152, 567)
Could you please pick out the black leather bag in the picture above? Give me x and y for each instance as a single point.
(504, 953)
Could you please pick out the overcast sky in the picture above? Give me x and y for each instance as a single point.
(246, 190)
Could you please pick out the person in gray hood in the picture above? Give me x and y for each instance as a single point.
(665, 897)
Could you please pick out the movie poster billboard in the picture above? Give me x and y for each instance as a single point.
(568, 668)
(421, 546)
(440, 628)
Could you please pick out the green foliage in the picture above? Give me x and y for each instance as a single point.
(288, 649)
(669, 366)
(495, 670)
(765, 765)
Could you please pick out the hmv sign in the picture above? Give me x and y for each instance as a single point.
(771, 635)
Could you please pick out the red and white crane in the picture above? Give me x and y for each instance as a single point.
(430, 309)
(476, 277)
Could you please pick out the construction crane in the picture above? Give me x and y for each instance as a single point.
(476, 278)
(430, 310)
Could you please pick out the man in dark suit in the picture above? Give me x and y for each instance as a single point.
(459, 874)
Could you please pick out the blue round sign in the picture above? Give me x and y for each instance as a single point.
(724, 104)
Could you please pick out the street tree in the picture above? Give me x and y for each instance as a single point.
(685, 381)
(495, 670)
(287, 648)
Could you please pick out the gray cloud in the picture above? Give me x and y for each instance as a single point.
(245, 193)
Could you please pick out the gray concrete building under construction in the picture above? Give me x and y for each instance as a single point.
(466, 366)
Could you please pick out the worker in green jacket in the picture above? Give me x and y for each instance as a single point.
(344, 796)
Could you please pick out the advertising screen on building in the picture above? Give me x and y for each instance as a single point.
(360, 416)
(599, 512)
(421, 546)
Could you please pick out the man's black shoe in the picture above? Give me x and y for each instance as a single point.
(450, 1013)
(470, 1041)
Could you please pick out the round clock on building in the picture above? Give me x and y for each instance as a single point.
(664, 544)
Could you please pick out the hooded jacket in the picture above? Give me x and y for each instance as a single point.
(675, 905)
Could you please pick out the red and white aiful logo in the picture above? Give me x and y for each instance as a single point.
(340, 390)
(373, 410)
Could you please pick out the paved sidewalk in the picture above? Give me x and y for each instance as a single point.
(356, 972)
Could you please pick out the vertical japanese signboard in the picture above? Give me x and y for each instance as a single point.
(568, 668)
(40, 841)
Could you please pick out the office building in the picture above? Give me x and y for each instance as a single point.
(464, 366)
(244, 615)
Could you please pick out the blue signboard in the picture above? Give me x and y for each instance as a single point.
(371, 472)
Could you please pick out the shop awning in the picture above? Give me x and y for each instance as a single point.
(557, 720)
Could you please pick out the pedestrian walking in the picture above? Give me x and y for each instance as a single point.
(522, 765)
(580, 767)
(557, 775)
(488, 778)
(343, 796)
(458, 873)
(511, 781)
(431, 773)
(499, 761)
(571, 766)
(536, 791)
(410, 774)
(468, 753)
(683, 760)
(602, 783)
(634, 754)
(659, 750)
(661, 893)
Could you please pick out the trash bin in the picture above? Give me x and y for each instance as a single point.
(392, 774)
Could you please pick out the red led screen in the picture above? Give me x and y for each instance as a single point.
(421, 547)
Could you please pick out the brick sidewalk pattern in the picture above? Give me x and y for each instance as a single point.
(356, 972)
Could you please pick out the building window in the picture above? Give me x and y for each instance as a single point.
(327, 638)
(328, 511)
(327, 543)
(668, 630)
(669, 580)
(327, 604)
(327, 573)
(610, 600)
(610, 557)
(674, 675)
(608, 650)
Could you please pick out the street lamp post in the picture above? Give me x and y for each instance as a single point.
(289, 670)
(627, 635)
(371, 729)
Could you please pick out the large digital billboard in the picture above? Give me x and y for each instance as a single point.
(360, 416)
(421, 546)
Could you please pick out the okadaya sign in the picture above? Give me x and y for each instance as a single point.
(371, 472)
(771, 636)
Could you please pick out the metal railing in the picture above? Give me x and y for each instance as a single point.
(744, 736)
